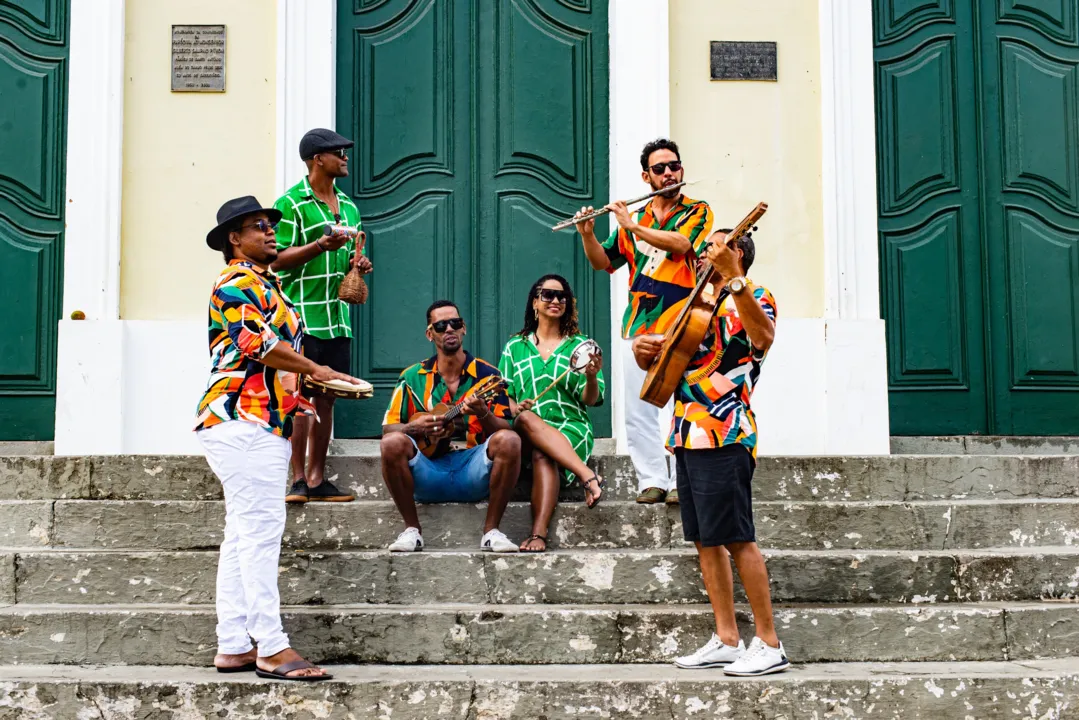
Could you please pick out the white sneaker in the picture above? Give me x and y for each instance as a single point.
(408, 541)
(496, 541)
(713, 654)
(759, 659)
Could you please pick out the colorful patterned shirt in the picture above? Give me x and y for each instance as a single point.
(249, 315)
(313, 286)
(711, 404)
(659, 282)
(528, 374)
(420, 388)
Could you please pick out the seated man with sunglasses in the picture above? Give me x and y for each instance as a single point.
(660, 243)
(483, 456)
(311, 266)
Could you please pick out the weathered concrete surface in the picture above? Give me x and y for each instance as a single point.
(1047, 690)
(985, 445)
(7, 578)
(373, 524)
(44, 477)
(1016, 575)
(1042, 631)
(183, 525)
(792, 479)
(567, 576)
(25, 523)
(498, 634)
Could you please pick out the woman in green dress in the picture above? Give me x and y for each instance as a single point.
(556, 428)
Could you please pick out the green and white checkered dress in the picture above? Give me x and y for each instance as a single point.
(527, 374)
(312, 287)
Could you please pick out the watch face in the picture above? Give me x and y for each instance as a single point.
(737, 285)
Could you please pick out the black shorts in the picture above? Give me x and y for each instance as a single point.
(715, 494)
(335, 353)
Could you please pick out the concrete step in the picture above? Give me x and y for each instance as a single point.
(793, 479)
(558, 577)
(373, 524)
(1047, 689)
(494, 634)
(984, 445)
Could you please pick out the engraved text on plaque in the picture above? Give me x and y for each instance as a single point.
(198, 58)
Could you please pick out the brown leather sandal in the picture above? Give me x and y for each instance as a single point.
(281, 672)
(600, 483)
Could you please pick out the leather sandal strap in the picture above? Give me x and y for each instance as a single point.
(294, 665)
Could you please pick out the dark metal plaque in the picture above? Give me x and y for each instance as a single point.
(198, 58)
(744, 61)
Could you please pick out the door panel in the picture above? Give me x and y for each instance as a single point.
(33, 115)
(478, 125)
(1030, 72)
(978, 137)
(931, 264)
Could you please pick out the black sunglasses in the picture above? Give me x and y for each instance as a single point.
(441, 325)
(674, 165)
(340, 152)
(264, 226)
(548, 295)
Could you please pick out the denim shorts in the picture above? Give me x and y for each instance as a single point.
(460, 476)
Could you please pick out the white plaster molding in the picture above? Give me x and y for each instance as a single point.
(849, 151)
(94, 160)
(306, 80)
(633, 24)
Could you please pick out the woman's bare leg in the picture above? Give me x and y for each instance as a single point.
(545, 482)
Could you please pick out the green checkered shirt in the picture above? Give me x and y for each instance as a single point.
(312, 287)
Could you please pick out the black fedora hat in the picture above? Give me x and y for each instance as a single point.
(233, 210)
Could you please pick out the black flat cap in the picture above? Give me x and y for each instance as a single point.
(233, 210)
(321, 140)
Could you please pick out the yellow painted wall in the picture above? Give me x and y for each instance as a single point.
(186, 153)
(756, 141)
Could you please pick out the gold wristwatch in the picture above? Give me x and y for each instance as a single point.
(737, 285)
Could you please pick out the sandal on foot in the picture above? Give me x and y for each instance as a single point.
(281, 672)
(542, 538)
(600, 483)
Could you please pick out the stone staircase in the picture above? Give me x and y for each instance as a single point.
(906, 587)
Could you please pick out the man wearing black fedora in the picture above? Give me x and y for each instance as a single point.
(312, 266)
(245, 418)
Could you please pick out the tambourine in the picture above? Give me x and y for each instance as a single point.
(340, 388)
(582, 355)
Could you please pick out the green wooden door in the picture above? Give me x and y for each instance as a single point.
(33, 120)
(1030, 75)
(978, 203)
(478, 125)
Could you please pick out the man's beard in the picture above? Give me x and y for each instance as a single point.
(669, 194)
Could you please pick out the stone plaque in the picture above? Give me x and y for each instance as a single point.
(198, 58)
(744, 60)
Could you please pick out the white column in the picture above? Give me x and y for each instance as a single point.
(633, 25)
(855, 350)
(90, 351)
(306, 80)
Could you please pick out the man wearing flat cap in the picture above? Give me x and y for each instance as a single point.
(243, 424)
(311, 265)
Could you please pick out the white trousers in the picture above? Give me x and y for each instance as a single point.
(252, 465)
(646, 428)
